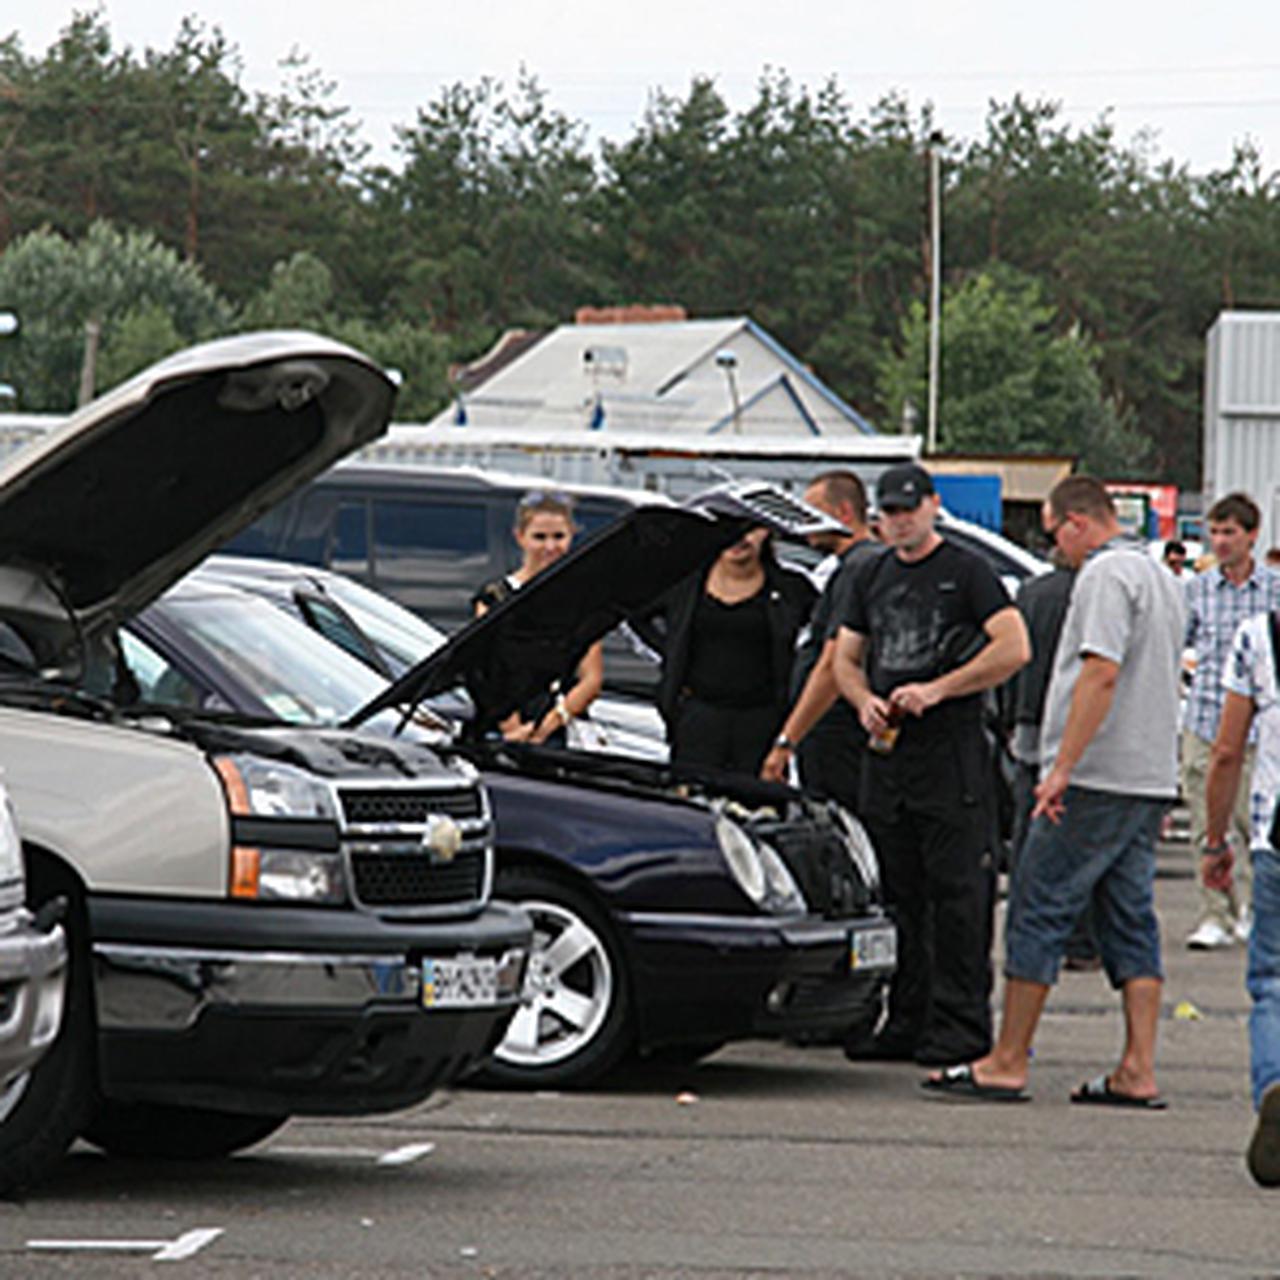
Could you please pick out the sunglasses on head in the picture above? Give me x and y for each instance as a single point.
(536, 497)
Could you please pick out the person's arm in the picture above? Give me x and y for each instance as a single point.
(1091, 699)
(851, 680)
(1226, 764)
(1006, 650)
(578, 699)
(816, 698)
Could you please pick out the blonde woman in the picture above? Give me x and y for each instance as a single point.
(544, 530)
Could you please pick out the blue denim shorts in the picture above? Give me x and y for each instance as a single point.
(1103, 849)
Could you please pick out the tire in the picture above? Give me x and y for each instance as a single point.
(160, 1132)
(43, 1110)
(574, 1021)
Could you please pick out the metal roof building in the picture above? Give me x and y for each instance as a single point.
(682, 377)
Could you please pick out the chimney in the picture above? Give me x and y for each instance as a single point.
(635, 313)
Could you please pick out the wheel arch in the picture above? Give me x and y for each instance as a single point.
(50, 873)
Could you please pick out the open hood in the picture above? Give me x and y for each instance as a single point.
(616, 573)
(140, 485)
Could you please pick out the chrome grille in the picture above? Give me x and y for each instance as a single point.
(407, 807)
(391, 869)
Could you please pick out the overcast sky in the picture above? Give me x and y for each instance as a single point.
(1200, 76)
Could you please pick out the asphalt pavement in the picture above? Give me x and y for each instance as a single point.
(765, 1159)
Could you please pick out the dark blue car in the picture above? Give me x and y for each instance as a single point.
(674, 910)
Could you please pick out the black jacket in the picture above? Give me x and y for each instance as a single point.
(667, 629)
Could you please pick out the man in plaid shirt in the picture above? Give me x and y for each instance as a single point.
(1218, 601)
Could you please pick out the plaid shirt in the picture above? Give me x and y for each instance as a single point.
(1215, 608)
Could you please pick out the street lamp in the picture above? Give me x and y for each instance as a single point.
(935, 286)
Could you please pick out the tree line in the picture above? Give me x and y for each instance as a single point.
(151, 195)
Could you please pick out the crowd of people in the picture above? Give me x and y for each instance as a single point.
(874, 684)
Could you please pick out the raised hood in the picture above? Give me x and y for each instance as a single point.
(613, 575)
(139, 486)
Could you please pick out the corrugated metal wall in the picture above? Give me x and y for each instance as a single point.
(1242, 413)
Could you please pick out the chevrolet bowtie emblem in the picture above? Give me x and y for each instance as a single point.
(442, 837)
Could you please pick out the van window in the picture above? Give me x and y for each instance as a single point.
(431, 555)
(455, 531)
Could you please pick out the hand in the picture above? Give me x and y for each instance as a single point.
(774, 768)
(874, 714)
(514, 729)
(1049, 797)
(1215, 870)
(916, 699)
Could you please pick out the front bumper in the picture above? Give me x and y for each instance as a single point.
(33, 969)
(733, 977)
(289, 1011)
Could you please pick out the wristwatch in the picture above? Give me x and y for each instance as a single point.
(784, 742)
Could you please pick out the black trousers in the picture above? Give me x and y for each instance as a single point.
(929, 808)
(717, 737)
(830, 762)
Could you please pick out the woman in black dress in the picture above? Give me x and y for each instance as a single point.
(727, 638)
(544, 532)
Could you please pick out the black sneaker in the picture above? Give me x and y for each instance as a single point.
(1263, 1156)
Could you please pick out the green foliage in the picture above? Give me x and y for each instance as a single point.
(142, 336)
(797, 210)
(122, 280)
(1008, 383)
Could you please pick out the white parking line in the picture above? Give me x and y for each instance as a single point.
(407, 1154)
(187, 1244)
(396, 1156)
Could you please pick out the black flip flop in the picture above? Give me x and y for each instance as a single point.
(1099, 1093)
(960, 1082)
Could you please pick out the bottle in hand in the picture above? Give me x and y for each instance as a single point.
(883, 742)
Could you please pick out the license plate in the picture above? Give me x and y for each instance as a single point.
(874, 948)
(463, 983)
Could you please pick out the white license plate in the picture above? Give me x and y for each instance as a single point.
(874, 948)
(463, 983)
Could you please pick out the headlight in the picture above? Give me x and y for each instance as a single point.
(267, 864)
(783, 894)
(858, 845)
(10, 844)
(267, 789)
(759, 871)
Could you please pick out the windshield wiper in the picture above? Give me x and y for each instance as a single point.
(33, 689)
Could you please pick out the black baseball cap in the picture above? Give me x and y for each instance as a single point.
(905, 486)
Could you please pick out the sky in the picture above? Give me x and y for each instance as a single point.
(1198, 77)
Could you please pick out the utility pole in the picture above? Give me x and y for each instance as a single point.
(89, 369)
(935, 290)
(8, 327)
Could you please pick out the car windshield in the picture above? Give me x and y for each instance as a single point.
(402, 638)
(299, 675)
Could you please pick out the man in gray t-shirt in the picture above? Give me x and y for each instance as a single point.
(1108, 771)
(1126, 609)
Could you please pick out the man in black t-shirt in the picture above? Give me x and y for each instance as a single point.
(926, 630)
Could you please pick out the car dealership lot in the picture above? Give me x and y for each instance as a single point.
(781, 1161)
